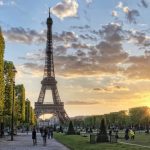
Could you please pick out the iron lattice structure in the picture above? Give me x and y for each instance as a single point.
(49, 83)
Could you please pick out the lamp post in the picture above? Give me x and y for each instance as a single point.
(12, 113)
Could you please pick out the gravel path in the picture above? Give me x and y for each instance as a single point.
(24, 142)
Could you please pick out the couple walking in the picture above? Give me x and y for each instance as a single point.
(46, 132)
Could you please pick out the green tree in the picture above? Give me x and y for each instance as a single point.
(9, 75)
(32, 113)
(71, 130)
(2, 85)
(20, 94)
(9, 90)
(102, 135)
(27, 111)
(140, 116)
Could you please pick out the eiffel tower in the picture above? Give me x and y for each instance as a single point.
(49, 83)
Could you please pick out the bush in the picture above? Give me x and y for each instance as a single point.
(71, 130)
(102, 135)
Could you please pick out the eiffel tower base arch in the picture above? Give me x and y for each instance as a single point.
(49, 108)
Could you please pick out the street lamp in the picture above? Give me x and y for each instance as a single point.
(12, 113)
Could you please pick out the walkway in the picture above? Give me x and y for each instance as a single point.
(126, 143)
(24, 142)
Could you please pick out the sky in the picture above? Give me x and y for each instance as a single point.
(101, 51)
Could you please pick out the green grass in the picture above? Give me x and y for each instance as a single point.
(77, 142)
(140, 138)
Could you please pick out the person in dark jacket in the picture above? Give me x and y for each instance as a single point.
(34, 136)
(44, 137)
(51, 132)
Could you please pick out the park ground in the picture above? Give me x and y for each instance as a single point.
(78, 142)
(24, 142)
(74, 142)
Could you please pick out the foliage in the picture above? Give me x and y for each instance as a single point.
(8, 76)
(103, 129)
(139, 115)
(20, 94)
(71, 130)
(27, 111)
(32, 116)
(2, 86)
(102, 135)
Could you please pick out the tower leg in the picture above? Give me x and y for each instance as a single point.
(42, 94)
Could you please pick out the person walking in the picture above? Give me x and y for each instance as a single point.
(127, 133)
(34, 136)
(51, 132)
(44, 137)
(48, 133)
(132, 134)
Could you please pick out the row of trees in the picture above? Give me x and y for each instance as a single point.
(12, 95)
(138, 117)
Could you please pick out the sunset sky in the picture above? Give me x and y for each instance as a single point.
(101, 51)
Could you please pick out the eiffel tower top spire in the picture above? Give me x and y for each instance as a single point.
(49, 62)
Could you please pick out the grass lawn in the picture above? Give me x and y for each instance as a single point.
(140, 138)
(77, 142)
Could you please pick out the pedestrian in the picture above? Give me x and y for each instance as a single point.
(34, 136)
(116, 136)
(132, 134)
(48, 133)
(44, 137)
(110, 134)
(127, 133)
(51, 132)
(41, 131)
(27, 130)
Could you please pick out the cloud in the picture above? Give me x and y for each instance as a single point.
(1, 3)
(66, 36)
(29, 36)
(110, 48)
(66, 8)
(93, 60)
(89, 1)
(144, 3)
(81, 27)
(111, 89)
(120, 5)
(34, 69)
(80, 46)
(77, 58)
(22, 35)
(88, 37)
(7, 3)
(139, 67)
(36, 56)
(131, 15)
(139, 38)
(81, 103)
(114, 13)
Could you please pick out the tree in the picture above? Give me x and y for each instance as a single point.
(140, 116)
(2, 85)
(9, 75)
(102, 135)
(20, 94)
(32, 116)
(9, 90)
(71, 130)
(27, 111)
